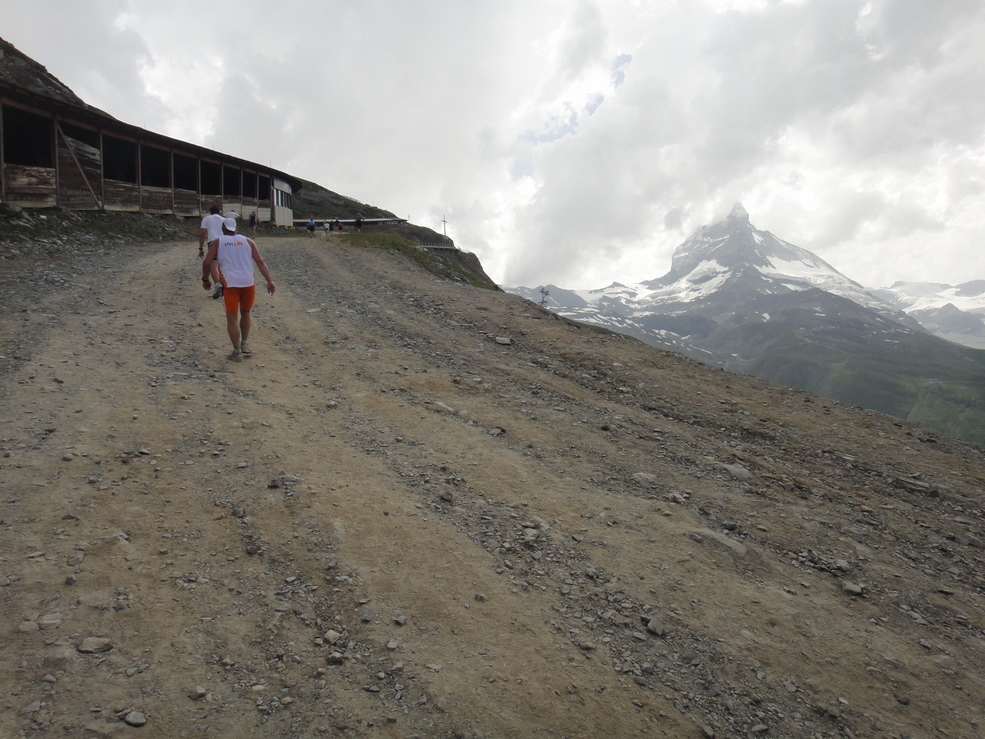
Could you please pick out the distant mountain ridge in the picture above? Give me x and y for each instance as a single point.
(953, 312)
(742, 299)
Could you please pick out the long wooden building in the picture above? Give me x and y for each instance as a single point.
(55, 150)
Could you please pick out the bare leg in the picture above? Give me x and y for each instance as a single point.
(232, 327)
(245, 322)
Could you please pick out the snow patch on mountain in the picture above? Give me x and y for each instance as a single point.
(918, 296)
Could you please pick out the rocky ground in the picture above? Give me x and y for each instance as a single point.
(427, 509)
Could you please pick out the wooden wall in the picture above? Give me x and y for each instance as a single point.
(30, 186)
(77, 149)
(79, 174)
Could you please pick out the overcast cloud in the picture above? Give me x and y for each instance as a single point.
(576, 142)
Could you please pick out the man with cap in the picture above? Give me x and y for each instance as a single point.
(236, 256)
(210, 230)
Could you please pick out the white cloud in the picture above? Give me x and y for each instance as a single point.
(574, 142)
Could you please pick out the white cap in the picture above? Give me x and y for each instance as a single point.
(229, 224)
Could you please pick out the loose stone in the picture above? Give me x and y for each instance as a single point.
(95, 645)
(135, 718)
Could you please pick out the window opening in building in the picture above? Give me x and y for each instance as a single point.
(211, 178)
(185, 172)
(119, 159)
(155, 167)
(249, 184)
(27, 138)
(231, 181)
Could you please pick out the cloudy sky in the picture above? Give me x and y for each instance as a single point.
(576, 142)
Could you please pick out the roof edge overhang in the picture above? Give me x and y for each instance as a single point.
(90, 116)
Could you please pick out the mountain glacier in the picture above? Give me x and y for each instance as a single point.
(713, 274)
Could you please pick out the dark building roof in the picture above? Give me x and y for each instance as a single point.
(25, 81)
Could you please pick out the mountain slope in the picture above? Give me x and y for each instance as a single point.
(729, 262)
(953, 312)
(425, 508)
(742, 299)
(834, 347)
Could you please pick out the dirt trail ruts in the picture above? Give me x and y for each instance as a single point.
(427, 509)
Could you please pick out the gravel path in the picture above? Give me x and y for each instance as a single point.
(427, 509)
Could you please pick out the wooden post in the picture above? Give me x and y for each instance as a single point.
(75, 159)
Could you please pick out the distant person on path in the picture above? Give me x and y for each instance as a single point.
(359, 222)
(328, 227)
(231, 214)
(338, 226)
(210, 231)
(236, 256)
(311, 228)
(253, 224)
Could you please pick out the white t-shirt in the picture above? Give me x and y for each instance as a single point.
(213, 227)
(235, 258)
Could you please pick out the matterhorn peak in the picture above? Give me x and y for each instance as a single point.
(739, 213)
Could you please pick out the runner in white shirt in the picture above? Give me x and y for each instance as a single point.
(236, 256)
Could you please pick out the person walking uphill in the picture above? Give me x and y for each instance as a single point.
(211, 229)
(236, 256)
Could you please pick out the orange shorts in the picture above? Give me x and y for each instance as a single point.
(239, 298)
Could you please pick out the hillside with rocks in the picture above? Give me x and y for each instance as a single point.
(423, 508)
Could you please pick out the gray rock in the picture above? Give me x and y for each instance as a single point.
(707, 535)
(135, 718)
(656, 627)
(738, 471)
(95, 645)
(50, 621)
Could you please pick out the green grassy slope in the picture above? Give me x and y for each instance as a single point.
(830, 346)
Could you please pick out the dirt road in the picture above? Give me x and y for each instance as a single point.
(427, 509)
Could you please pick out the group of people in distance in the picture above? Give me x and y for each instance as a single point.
(229, 263)
(330, 226)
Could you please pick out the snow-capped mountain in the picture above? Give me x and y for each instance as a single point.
(743, 299)
(954, 312)
(734, 258)
(719, 267)
(968, 296)
(713, 274)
